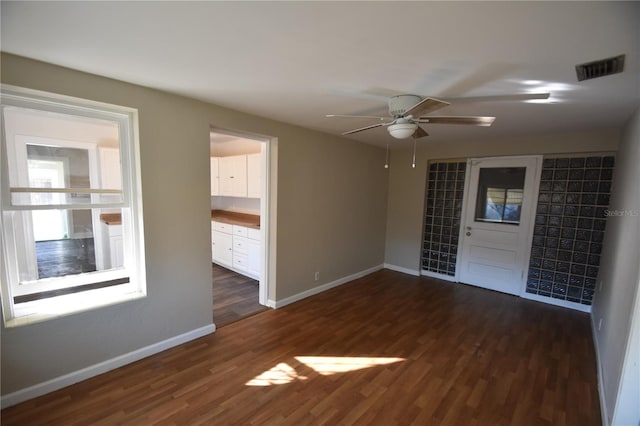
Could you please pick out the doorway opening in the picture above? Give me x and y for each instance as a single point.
(239, 224)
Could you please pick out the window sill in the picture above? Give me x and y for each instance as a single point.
(55, 307)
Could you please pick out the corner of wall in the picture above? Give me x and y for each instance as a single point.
(615, 302)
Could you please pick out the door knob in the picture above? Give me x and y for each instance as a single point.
(468, 228)
(468, 233)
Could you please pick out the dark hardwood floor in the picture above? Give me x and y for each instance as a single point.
(58, 258)
(386, 349)
(234, 296)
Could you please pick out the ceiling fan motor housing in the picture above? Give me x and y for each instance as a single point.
(398, 105)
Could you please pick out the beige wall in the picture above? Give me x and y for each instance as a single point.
(332, 204)
(616, 300)
(407, 185)
(331, 207)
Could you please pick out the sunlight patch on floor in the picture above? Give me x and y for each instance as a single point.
(278, 375)
(328, 365)
(324, 365)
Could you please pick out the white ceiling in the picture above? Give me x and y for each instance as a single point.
(222, 145)
(297, 61)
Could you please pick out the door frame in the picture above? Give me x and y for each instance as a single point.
(268, 211)
(534, 204)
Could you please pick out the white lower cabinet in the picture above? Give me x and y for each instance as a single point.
(221, 248)
(112, 248)
(253, 258)
(236, 247)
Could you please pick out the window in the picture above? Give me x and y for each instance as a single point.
(500, 192)
(71, 212)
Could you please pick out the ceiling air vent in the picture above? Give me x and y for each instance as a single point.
(600, 68)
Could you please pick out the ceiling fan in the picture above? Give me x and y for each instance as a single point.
(406, 113)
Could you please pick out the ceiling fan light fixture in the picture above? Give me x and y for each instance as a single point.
(402, 130)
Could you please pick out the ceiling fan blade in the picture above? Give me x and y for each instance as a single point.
(356, 116)
(501, 98)
(420, 133)
(373, 126)
(424, 106)
(474, 121)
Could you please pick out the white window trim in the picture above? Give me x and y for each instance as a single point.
(53, 307)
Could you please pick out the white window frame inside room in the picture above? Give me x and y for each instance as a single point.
(15, 259)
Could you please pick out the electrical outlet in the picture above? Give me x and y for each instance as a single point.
(316, 276)
(600, 324)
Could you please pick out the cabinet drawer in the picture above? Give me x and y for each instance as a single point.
(222, 227)
(240, 245)
(240, 261)
(240, 231)
(254, 234)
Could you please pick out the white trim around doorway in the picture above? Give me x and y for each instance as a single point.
(537, 170)
(268, 209)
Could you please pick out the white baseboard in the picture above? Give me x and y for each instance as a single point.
(102, 367)
(414, 272)
(324, 287)
(271, 303)
(557, 302)
(603, 405)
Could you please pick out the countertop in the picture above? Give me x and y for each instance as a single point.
(234, 218)
(224, 216)
(111, 218)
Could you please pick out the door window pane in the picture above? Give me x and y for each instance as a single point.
(499, 197)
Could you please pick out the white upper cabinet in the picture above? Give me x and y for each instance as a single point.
(215, 176)
(233, 176)
(254, 176)
(110, 175)
(237, 176)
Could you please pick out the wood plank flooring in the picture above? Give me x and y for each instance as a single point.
(234, 296)
(69, 256)
(386, 349)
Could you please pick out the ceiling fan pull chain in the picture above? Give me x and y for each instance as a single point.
(386, 161)
(413, 164)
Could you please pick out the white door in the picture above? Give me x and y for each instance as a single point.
(497, 226)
